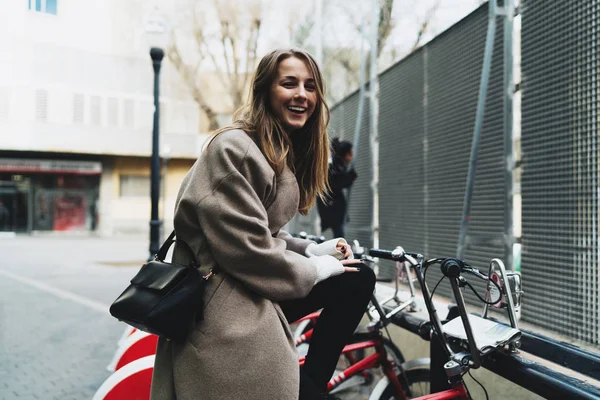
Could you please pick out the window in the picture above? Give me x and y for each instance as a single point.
(51, 6)
(146, 114)
(78, 108)
(134, 186)
(41, 105)
(128, 113)
(45, 6)
(96, 110)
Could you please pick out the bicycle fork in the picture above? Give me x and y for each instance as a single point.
(389, 369)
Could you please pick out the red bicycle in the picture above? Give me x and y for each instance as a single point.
(464, 340)
(371, 356)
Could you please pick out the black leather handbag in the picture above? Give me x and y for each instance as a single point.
(163, 298)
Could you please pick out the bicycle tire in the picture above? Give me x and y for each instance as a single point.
(393, 351)
(419, 376)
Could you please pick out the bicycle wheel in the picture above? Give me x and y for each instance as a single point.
(419, 383)
(393, 351)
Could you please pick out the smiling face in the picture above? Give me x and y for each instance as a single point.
(293, 94)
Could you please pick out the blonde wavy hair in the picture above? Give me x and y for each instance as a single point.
(306, 151)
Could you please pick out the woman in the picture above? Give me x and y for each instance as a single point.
(251, 180)
(332, 210)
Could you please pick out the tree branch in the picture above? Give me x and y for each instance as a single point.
(385, 24)
(188, 74)
(237, 24)
(201, 43)
(223, 16)
(424, 25)
(251, 47)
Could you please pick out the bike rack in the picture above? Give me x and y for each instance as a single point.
(510, 365)
(400, 305)
(511, 281)
(530, 375)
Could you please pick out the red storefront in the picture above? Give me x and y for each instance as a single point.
(48, 195)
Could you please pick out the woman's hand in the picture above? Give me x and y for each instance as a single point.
(344, 248)
(328, 266)
(350, 262)
(337, 248)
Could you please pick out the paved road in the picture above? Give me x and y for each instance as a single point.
(56, 336)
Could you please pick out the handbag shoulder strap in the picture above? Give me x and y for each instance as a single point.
(162, 252)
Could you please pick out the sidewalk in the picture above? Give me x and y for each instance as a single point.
(56, 335)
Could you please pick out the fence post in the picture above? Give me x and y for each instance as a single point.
(509, 238)
(483, 86)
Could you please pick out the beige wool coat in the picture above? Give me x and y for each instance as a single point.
(230, 211)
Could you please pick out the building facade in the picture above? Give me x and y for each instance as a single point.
(76, 112)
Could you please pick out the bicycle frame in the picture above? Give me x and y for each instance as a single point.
(379, 358)
(411, 287)
(457, 393)
(375, 340)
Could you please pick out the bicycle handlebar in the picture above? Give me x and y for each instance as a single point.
(398, 254)
(452, 269)
(385, 254)
(416, 325)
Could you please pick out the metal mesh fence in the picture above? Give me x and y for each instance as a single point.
(401, 176)
(427, 113)
(358, 225)
(560, 165)
(453, 66)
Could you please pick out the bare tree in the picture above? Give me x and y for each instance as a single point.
(386, 24)
(424, 24)
(343, 59)
(226, 46)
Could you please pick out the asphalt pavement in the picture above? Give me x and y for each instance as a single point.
(56, 335)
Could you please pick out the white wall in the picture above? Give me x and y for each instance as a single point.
(82, 81)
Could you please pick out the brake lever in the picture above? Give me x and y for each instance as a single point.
(475, 271)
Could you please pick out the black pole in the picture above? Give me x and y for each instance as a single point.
(157, 55)
(438, 357)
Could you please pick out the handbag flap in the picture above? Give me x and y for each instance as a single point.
(159, 275)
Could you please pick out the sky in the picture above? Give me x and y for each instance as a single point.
(341, 18)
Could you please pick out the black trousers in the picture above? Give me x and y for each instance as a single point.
(344, 299)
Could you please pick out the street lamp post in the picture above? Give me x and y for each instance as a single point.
(157, 35)
(156, 54)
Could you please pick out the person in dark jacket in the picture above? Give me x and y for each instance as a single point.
(333, 210)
